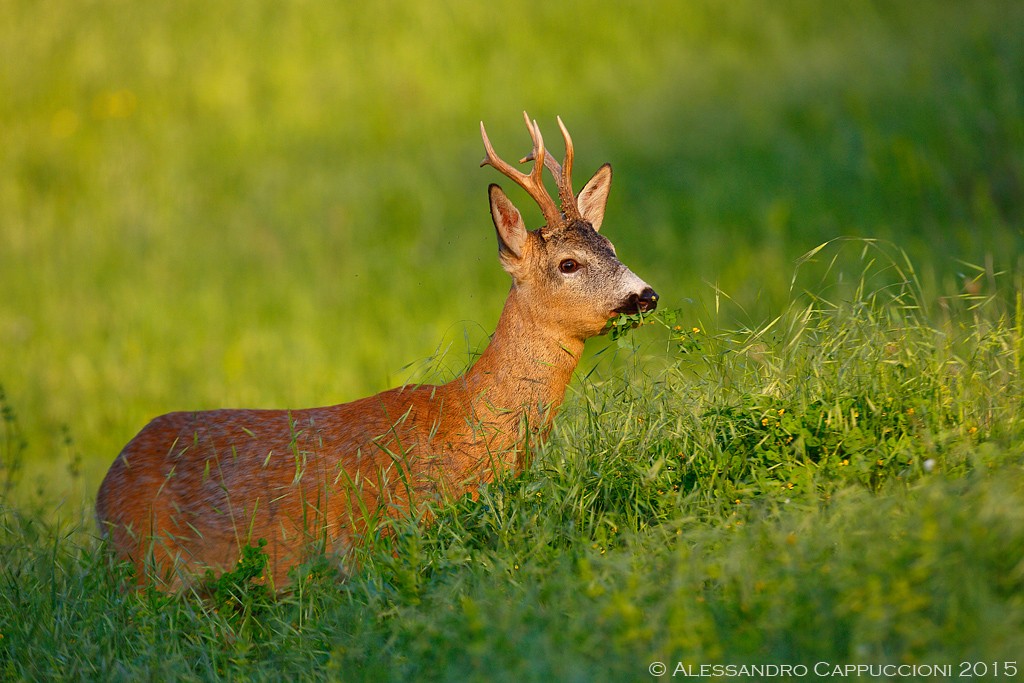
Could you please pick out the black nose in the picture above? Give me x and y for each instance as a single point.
(644, 302)
(648, 300)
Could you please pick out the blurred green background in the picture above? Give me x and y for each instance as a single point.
(228, 204)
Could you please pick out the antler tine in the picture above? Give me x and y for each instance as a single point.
(549, 160)
(562, 173)
(532, 183)
(565, 193)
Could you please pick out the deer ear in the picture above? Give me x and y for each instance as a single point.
(509, 224)
(594, 196)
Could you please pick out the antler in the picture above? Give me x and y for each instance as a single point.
(561, 172)
(534, 182)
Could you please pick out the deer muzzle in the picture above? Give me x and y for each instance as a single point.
(642, 302)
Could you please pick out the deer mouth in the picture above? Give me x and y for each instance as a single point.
(644, 302)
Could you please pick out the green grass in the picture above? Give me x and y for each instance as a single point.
(842, 485)
(234, 204)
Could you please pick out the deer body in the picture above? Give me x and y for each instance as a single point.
(193, 487)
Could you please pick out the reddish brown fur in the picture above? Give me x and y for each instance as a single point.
(192, 488)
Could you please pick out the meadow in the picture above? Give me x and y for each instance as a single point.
(812, 453)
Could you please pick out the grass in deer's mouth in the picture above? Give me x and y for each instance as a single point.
(683, 339)
(624, 322)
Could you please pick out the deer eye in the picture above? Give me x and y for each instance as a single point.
(568, 266)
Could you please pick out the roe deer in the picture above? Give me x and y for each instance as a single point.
(192, 488)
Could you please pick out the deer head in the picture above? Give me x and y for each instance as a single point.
(566, 269)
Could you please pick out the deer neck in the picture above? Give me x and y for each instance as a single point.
(524, 371)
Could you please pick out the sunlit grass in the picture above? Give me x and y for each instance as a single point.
(819, 457)
(841, 484)
(230, 205)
